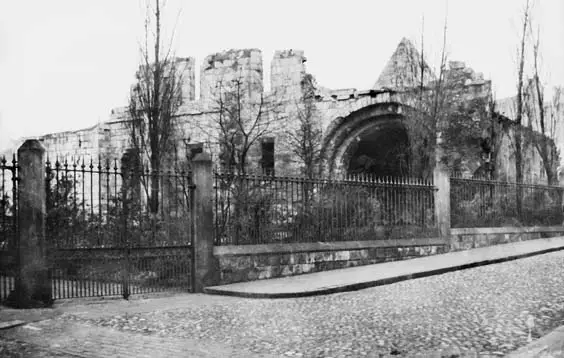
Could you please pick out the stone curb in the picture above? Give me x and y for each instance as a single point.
(379, 282)
(11, 324)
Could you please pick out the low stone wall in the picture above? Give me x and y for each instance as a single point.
(471, 238)
(254, 262)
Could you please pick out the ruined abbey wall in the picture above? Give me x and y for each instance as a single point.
(195, 124)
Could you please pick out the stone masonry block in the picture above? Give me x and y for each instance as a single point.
(359, 254)
(341, 255)
(265, 272)
(286, 270)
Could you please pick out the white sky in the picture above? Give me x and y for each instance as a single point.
(65, 63)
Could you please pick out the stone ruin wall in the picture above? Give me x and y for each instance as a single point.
(110, 139)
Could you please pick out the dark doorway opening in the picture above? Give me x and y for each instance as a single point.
(383, 151)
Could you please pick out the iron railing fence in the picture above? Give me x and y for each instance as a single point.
(490, 203)
(8, 224)
(117, 232)
(261, 209)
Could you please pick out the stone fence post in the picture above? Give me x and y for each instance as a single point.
(33, 284)
(205, 266)
(441, 179)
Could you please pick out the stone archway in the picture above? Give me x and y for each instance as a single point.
(371, 140)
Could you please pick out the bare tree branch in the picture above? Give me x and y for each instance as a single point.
(153, 104)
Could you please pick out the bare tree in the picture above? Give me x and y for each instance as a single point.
(545, 125)
(519, 111)
(239, 122)
(517, 139)
(305, 139)
(154, 101)
(428, 97)
(448, 123)
(241, 116)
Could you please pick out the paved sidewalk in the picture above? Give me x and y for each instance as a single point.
(360, 277)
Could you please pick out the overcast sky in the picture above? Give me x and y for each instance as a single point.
(65, 63)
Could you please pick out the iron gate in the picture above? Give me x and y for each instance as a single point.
(8, 225)
(117, 231)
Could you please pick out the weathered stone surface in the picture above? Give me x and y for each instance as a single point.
(399, 71)
(496, 237)
(247, 267)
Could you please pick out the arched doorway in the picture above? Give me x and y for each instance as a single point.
(380, 151)
(372, 140)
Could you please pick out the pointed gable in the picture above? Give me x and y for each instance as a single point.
(403, 68)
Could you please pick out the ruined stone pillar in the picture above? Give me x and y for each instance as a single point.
(33, 284)
(205, 264)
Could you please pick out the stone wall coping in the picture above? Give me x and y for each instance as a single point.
(320, 246)
(504, 230)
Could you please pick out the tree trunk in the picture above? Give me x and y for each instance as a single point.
(518, 174)
(519, 120)
(154, 198)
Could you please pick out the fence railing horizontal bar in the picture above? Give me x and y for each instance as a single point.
(326, 181)
(121, 248)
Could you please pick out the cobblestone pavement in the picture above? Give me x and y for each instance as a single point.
(477, 311)
(20, 349)
(57, 338)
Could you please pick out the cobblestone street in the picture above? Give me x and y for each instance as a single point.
(478, 311)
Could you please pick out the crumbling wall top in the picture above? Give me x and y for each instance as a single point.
(230, 58)
(279, 54)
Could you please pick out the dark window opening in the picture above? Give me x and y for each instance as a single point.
(267, 160)
(194, 149)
